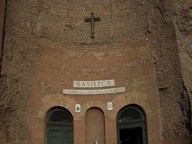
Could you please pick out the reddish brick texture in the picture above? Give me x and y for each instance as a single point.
(130, 65)
(141, 45)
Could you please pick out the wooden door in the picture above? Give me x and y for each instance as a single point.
(59, 135)
(59, 126)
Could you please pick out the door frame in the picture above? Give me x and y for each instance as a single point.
(141, 122)
(132, 125)
(59, 124)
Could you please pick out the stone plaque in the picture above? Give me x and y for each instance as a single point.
(92, 84)
(93, 92)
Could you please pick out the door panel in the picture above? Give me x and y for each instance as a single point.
(67, 137)
(54, 140)
(59, 136)
(66, 140)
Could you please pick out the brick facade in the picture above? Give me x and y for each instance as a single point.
(129, 65)
(47, 45)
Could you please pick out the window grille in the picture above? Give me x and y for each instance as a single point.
(60, 116)
(130, 114)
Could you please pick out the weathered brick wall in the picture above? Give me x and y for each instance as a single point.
(184, 38)
(2, 12)
(37, 29)
(18, 60)
(172, 92)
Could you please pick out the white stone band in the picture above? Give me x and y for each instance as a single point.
(93, 92)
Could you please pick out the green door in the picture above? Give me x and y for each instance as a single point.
(59, 126)
(59, 135)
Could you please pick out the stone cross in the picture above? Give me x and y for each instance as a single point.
(92, 19)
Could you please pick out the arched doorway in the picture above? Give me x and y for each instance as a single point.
(131, 125)
(59, 126)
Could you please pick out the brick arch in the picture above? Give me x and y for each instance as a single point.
(91, 104)
(137, 98)
(53, 100)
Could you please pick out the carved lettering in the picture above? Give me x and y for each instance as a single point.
(91, 84)
(97, 91)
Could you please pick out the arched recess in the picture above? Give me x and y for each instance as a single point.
(59, 126)
(95, 126)
(91, 104)
(131, 125)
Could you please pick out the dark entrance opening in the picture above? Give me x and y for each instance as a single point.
(59, 126)
(131, 135)
(131, 126)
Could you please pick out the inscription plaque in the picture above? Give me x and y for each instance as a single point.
(92, 84)
(96, 91)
